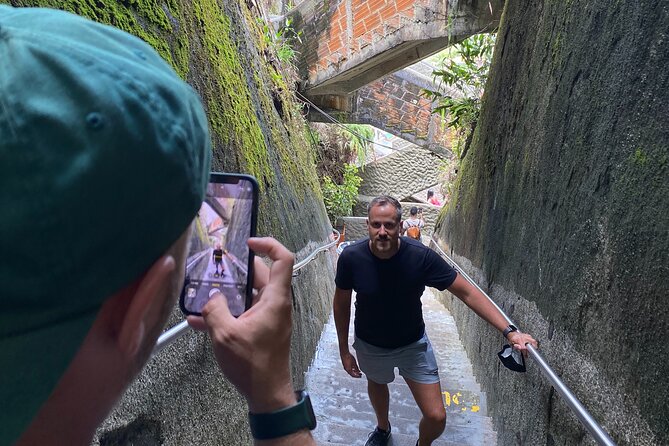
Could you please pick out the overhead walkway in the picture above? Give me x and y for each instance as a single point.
(345, 415)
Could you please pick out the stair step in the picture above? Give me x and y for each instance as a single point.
(345, 415)
(353, 435)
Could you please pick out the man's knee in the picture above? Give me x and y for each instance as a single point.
(436, 417)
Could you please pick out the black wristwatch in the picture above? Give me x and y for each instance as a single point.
(265, 426)
(509, 329)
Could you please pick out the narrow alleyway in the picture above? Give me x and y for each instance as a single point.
(345, 416)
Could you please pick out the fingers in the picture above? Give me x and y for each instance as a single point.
(282, 267)
(520, 341)
(351, 366)
(260, 273)
(216, 312)
(354, 372)
(197, 323)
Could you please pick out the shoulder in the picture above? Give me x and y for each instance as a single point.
(414, 246)
(355, 249)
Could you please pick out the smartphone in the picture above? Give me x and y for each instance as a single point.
(219, 258)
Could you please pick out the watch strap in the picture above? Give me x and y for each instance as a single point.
(511, 328)
(265, 426)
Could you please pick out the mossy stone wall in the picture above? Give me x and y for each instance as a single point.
(562, 212)
(223, 51)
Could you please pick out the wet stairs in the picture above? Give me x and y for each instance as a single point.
(345, 415)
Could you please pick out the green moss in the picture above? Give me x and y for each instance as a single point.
(169, 27)
(231, 113)
(145, 19)
(639, 157)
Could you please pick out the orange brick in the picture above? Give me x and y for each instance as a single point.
(372, 21)
(375, 5)
(405, 5)
(359, 29)
(387, 11)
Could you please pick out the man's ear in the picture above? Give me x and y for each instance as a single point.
(145, 306)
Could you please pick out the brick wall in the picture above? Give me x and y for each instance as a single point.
(395, 105)
(353, 42)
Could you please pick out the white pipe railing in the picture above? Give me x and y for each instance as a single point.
(179, 330)
(579, 410)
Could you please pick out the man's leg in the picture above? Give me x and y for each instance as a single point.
(380, 399)
(430, 403)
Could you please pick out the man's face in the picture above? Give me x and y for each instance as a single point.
(384, 230)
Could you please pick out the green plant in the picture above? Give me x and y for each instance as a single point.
(358, 137)
(281, 41)
(463, 68)
(340, 198)
(285, 38)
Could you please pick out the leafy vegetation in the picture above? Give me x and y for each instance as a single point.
(340, 198)
(358, 137)
(283, 40)
(462, 75)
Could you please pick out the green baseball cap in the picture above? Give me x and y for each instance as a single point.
(104, 160)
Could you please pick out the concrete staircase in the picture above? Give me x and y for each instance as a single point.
(345, 416)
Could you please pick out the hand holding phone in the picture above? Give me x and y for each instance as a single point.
(219, 258)
(256, 358)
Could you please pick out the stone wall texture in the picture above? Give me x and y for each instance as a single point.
(561, 214)
(400, 174)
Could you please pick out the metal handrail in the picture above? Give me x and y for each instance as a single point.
(174, 333)
(574, 404)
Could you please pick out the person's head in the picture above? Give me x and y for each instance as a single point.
(105, 160)
(384, 215)
(430, 193)
(413, 211)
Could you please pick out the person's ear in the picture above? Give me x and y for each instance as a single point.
(146, 305)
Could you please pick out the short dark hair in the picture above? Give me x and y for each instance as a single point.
(430, 193)
(383, 200)
(413, 210)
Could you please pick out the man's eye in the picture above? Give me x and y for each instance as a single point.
(376, 225)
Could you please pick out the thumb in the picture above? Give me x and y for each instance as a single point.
(216, 313)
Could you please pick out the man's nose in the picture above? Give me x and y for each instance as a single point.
(382, 230)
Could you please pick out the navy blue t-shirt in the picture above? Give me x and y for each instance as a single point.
(388, 311)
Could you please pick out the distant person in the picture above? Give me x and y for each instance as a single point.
(412, 226)
(432, 198)
(98, 136)
(389, 274)
(217, 257)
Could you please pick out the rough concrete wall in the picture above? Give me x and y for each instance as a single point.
(400, 174)
(257, 128)
(562, 211)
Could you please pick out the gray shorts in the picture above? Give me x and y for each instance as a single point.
(415, 361)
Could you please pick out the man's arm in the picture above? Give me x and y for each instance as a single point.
(342, 318)
(475, 300)
(253, 350)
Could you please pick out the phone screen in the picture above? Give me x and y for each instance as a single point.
(219, 258)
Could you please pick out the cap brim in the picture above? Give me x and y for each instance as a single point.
(32, 365)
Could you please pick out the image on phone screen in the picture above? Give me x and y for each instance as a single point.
(219, 258)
